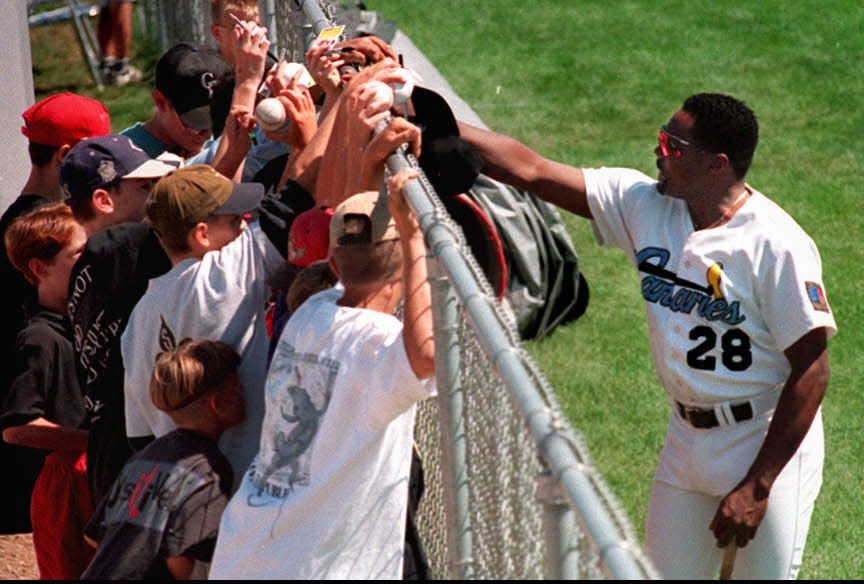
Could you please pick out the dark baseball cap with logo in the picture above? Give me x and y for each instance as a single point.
(187, 76)
(102, 162)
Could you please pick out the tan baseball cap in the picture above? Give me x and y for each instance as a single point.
(362, 219)
(184, 197)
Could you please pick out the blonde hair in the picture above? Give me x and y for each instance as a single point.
(249, 9)
(184, 374)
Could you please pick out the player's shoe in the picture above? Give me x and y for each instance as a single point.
(119, 72)
(127, 75)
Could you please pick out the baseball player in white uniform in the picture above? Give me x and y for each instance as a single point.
(738, 321)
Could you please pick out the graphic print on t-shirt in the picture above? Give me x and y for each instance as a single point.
(292, 425)
(147, 492)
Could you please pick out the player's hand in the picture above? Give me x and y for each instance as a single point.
(373, 48)
(387, 71)
(740, 513)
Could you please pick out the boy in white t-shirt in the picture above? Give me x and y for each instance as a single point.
(217, 288)
(326, 495)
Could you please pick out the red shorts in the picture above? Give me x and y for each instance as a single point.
(59, 510)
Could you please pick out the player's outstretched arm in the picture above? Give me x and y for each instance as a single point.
(742, 510)
(509, 161)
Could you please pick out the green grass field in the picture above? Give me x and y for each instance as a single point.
(588, 83)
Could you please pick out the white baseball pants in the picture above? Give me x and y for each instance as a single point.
(697, 469)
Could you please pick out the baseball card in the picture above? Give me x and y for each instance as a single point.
(330, 35)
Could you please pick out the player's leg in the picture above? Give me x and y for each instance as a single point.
(777, 549)
(114, 33)
(677, 538)
(112, 30)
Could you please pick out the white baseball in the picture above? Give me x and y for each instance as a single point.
(382, 97)
(270, 114)
(290, 69)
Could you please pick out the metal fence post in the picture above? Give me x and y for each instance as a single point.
(454, 467)
(560, 529)
(270, 22)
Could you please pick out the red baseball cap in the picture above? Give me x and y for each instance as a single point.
(309, 236)
(65, 118)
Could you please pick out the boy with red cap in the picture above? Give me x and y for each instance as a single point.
(52, 126)
(307, 243)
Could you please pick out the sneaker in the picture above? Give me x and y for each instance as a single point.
(125, 76)
(106, 66)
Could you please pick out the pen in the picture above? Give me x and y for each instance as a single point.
(239, 22)
(263, 90)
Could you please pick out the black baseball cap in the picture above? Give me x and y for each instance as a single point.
(450, 163)
(187, 76)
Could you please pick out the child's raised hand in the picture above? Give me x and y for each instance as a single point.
(404, 218)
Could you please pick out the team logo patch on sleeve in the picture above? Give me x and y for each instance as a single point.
(817, 296)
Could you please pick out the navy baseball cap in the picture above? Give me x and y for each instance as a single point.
(102, 162)
(187, 76)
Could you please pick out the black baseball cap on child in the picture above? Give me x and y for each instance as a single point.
(187, 75)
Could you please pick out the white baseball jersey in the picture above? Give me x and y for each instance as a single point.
(722, 304)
